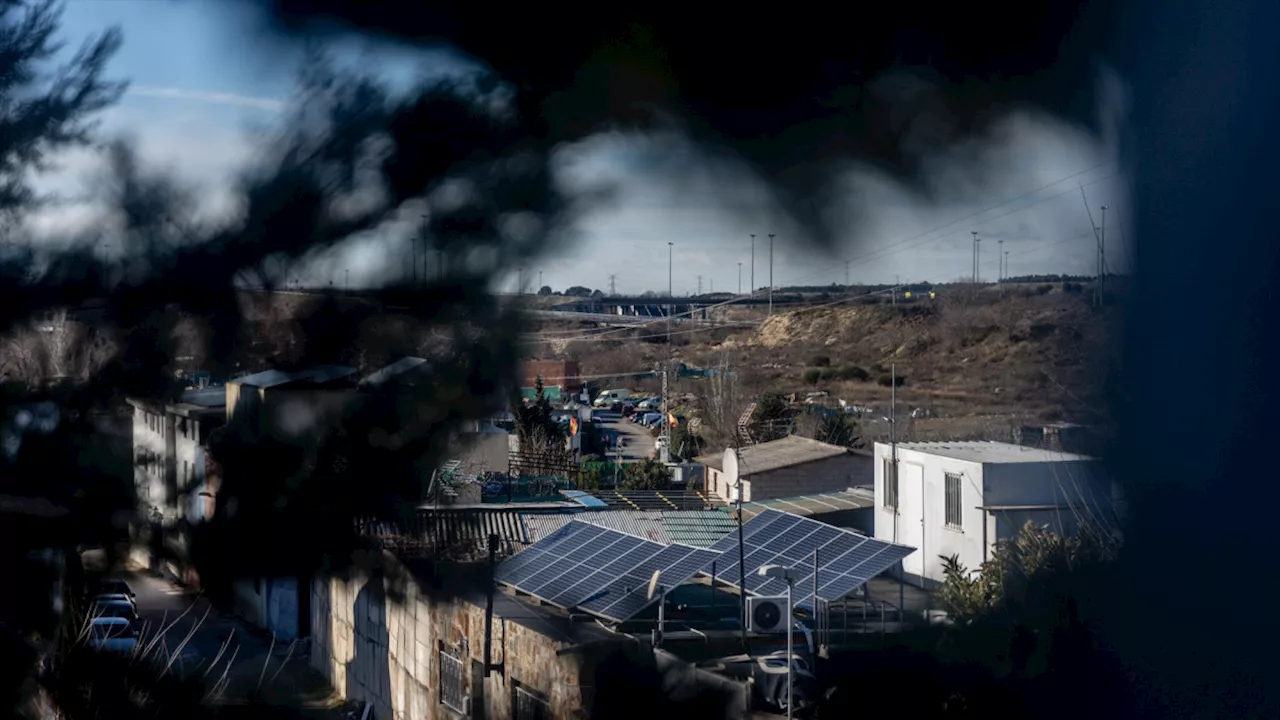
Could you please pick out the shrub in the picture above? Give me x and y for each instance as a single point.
(852, 372)
(888, 380)
(813, 375)
(821, 361)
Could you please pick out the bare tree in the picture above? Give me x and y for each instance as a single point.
(723, 406)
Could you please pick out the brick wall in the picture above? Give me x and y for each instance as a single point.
(552, 371)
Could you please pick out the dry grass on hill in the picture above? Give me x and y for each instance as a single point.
(978, 362)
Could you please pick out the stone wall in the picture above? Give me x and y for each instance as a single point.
(377, 637)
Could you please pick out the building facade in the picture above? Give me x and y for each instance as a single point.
(410, 654)
(961, 498)
(786, 468)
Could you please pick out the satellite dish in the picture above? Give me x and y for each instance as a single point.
(653, 583)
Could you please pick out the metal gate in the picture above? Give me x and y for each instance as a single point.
(451, 682)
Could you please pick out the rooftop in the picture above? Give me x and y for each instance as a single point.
(809, 505)
(991, 452)
(641, 523)
(784, 452)
(389, 372)
(210, 397)
(318, 375)
(699, 528)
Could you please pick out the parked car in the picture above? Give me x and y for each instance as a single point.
(113, 634)
(112, 586)
(115, 608)
(101, 597)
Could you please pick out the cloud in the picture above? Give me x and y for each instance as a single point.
(209, 97)
(1019, 183)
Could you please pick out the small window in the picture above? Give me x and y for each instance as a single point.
(529, 705)
(890, 485)
(953, 490)
(452, 693)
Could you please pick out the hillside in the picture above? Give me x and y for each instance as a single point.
(976, 364)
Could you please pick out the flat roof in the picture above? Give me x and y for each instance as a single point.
(991, 452)
(274, 378)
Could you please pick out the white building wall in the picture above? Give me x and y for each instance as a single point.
(921, 513)
(149, 442)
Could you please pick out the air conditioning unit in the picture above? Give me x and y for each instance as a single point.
(767, 614)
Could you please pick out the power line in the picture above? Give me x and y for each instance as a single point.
(883, 251)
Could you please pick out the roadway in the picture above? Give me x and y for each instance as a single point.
(289, 680)
(639, 444)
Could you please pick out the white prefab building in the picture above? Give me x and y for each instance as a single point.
(960, 498)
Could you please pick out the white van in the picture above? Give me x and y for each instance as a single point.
(609, 397)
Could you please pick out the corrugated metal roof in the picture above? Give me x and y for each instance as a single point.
(657, 499)
(700, 528)
(644, 524)
(389, 372)
(274, 378)
(784, 452)
(808, 505)
(584, 498)
(264, 379)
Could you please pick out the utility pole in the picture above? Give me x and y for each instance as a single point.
(753, 264)
(1102, 246)
(1000, 262)
(739, 278)
(977, 260)
(897, 279)
(770, 275)
(539, 279)
(893, 468)
(613, 290)
(423, 240)
(846, 274)
(975, 255)
(670, 253)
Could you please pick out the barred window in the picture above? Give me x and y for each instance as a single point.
(953, 490)
(530, 705)
(452, 694)
(890, 485)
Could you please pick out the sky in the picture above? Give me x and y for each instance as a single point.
(201, 96)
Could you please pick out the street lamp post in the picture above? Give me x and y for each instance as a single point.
(771, 276)
(787, 574)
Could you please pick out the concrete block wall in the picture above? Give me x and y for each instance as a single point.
(382, 646)
(821, 476)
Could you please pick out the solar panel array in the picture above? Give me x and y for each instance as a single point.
(602, 571)
(846, 560)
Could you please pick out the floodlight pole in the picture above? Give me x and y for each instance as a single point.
(791, 621)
